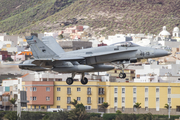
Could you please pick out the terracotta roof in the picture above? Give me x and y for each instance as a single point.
(6, 93)
(25, 75)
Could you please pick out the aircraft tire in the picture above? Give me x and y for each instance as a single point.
(124, 75)
(121, 75)
(85, 81)
(69, 81)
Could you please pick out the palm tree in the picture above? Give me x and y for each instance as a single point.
(74, 103)
(13, 101)
(104, 105)
(137, 106)
(167, 107)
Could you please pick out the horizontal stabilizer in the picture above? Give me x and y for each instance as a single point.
(22, 64)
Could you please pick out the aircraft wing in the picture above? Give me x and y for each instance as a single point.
(107, 53)
(61, 59)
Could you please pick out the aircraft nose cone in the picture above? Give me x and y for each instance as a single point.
(161, 53)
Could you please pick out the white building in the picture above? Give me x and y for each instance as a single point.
(164, 33)
(176, 32)
(157, 73)
(117, 38)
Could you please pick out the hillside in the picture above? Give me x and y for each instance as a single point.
(105, 17)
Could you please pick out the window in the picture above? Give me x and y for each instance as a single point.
(58, 98)
(115, 90)
(34, 88)
(35, 107)
(78, 89)
(134, 99)
(157, 89)
(88, 107)
(68, 90)
(123, 90)
(123, 109)
(100, 100)
(89, 100)
(48, 106)
(115, 108)
(157, 99)
(47, 88)
(47, 98)
(146, 108)
(177, 108)
(101, 91)
(58, 89)
(39, 107)
(78, 98)
(88, 91)
(169, 100)
(68, 107)
(30, 98)
(26, 88)
(146, 89)
(115, 99)
(146, 99)
(68, 100)
(30, 88)
(123, 99)
(134, 90)
(58, 106)
(34, 98)
(169, 90)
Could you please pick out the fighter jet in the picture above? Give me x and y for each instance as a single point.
(48, 55)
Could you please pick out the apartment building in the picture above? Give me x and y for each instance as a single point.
(120, 96)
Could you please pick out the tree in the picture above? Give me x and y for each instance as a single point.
(104, 105)
(77, 114)
(13, 101)
(74, 103)
(137, 106)
(60, 36)
(167, 107)
(9, 59)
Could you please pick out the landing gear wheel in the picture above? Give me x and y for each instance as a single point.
(122, 75)
(84, 81)
(69, 81)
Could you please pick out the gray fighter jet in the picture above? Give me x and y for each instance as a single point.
(48, 55)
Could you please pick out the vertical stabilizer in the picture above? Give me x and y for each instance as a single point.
(52, 44)
(39, 49)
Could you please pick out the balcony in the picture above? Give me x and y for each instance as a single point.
(69, 92)
(101, 92)
(89, 92)
(68, 102)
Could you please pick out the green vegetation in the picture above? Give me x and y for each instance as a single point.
(104, 105)
(81, 115)
(137, 106)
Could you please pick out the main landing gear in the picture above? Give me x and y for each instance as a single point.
(84, 80)
(70, 80)
(122, 74)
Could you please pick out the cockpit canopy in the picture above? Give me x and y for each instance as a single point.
(125, 44)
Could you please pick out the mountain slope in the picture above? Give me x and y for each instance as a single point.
(105, 17)
(30, 12)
